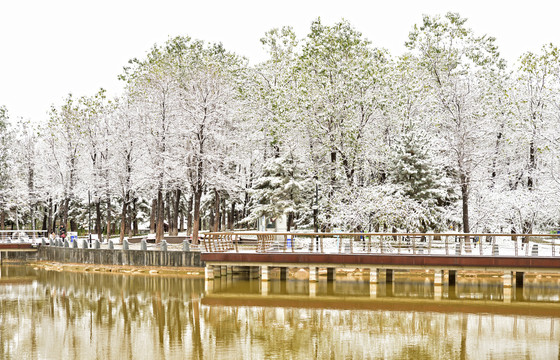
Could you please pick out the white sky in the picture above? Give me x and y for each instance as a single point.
(49, 48)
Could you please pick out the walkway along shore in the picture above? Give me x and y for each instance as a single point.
(110, 257)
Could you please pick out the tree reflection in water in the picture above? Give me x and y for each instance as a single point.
(49, 314)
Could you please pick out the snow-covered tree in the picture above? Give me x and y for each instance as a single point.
(460, 66)
(416, 173)
(63, 138)
(339, 77)
(5, 183)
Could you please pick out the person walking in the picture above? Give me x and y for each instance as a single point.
(62, 232)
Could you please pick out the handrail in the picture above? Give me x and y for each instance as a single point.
(21, 235)
(471, 244)
(253, 233)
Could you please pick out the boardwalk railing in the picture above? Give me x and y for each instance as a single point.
(23, 236)
(384, 243)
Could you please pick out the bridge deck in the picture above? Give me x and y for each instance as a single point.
(17, 247)
(384, 260)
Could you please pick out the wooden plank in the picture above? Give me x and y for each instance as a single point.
(419, 260)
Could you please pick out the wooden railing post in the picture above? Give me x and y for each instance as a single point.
(293, 236)
(205, 242)
(430, 245)
(230, 241)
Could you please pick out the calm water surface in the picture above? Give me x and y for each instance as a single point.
(67, 315)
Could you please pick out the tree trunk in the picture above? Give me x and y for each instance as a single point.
(98, 227)
(290, 220)
(196, 215)
(232, 216)
(245, 206)
(64, 210)
(53, 228)
(170, 222)
(3, 220)
(181, 220)
(223, 216)
(153, 215)
(190, 215)
(532, 165)
(135, 218)
(109, 218)
(465, 199)
(45, 222)
(496, 155)
(123, 217)
(160, 217)
(129, 219)
(73, 225)
(315, 207)
(50, 228)
(216, 227)
(175, 214)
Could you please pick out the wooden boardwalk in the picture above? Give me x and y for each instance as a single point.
(511, 255)
(394, 261)
(15, 247)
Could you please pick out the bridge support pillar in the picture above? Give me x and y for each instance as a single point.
(264, 288)
(254, 272)
(265, 273)
(452, 277)
(507, 294)
(519, 277)
(438, 292)
(438, 277)
(313, 289)
(389, 276)
(283, 273)
(372, 290)
(313, 272)
(331, 274)
(209, 286)
(229, 270)
(452, 281)
(209, 272)
(373, 276)
(223, 270)
(507, 279)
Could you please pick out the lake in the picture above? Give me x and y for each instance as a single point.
(89, 315)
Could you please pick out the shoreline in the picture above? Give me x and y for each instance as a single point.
(198, 272)
(192, 272)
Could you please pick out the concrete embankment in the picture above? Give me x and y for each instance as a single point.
(111, 257)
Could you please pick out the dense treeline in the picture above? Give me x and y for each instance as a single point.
(330, 132)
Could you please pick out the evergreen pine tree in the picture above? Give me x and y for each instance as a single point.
(419, 178)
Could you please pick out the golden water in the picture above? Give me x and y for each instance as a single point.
(69, 315)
